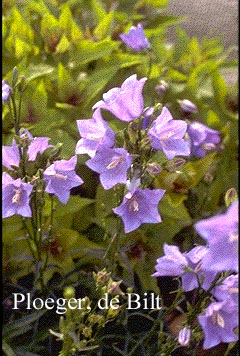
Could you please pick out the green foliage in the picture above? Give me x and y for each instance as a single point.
(70, 54)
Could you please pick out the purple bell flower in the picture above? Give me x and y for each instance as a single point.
(202, 139)
(5, 91)
(135, 38)
(112, 165)
(126, 103)
(60, 177)
(138, 207)
(221, 233)
(95, 134)
(16, 197)
(167, 135)
(218, 323)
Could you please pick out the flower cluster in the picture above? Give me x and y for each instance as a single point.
(58, 177)
(127, 163)
(202, 267)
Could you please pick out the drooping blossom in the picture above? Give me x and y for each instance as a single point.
(184, 336)
(138, 207)
(202, 139)
(227, 290)
(135, 38)
(16, 197)
(126, 102)
(112, 165)
(221, 233)
(167, 135)
(10, 156)
(60, 177)
(95, 134)
(5, 91)
(218, 323)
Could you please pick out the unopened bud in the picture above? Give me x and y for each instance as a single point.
(102, 277)
(69, 292)
(114, 289)
(184, 336)
(187, 105)
(162, 87)
(153, 168)
(230, 196)
(147, 117)
(175, 164)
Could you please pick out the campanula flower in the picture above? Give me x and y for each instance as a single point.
(95, 133)
(221, 233)
(126, 102)
(10, 156)
(16, 197)
(60, 177)
(202, 139)
(227, 290)
(112, 165)
(138, 207)
(167, 135)
(135, 38)
(218, 323)
(5, 91)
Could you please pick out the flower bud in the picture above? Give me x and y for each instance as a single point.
(184, 336)
(114, 289)
(153, 168)
(102, 277)
(87, 331)
(230, 196)
(187, 105)
(175, 164)
(69, 292)
(162, 87)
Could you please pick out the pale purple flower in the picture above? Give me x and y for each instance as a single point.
(138, 207)
(95, 134)
(5, 91)
(218, 323)
(202, 139)
(167, 135)
(184, 265)
(172, 264)
(38, 145)
(221, 233)
(135, 38)
(184, 336)
(191, 280)
(10, 156)
(112, 165)
(60, 177)
(227, 290)
(126, 103)
(16, 197)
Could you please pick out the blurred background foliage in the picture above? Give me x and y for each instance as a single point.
(70, 53)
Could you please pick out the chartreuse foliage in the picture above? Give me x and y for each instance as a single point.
(70, 54)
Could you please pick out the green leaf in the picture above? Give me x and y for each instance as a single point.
(21, 326)
(88, 51)
(8, 351)
(34, 71)
(98, 10)
(63, 45)
(104, 27)
(219, 88)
